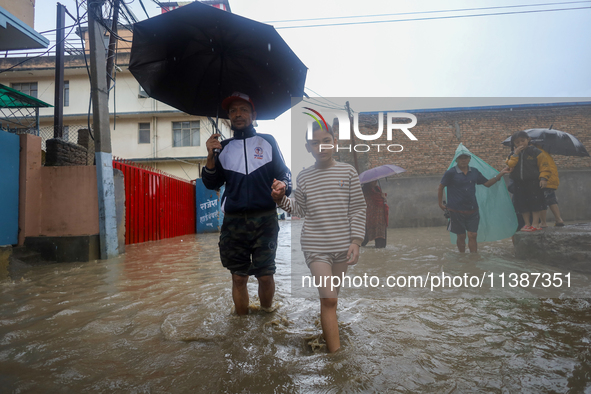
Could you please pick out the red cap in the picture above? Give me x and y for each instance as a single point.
(236, 96)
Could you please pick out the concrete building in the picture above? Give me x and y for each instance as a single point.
(17, 24)
(143, 130)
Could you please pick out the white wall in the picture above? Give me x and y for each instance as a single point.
(127, 110)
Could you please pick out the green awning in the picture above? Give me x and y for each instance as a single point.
(11, 98)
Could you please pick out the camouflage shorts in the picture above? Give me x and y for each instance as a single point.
(248, 244)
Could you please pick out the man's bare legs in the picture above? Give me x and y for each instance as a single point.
(240, 292)
(266, 290)
(472, 244)
(461, 242)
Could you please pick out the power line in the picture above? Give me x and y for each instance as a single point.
(433, 18)
(318, 103)
(78, 6)
(322, 97)
(144, 8)
(323, 105)
(55, 30)
(427, 12)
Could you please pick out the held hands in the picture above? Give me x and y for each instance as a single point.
(442, 206)
(353, 254)
(278, 191)
(213, 143)
(506, 170)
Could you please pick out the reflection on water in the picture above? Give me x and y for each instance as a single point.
(158, 319)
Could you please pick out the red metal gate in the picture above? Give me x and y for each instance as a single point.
(157, 205)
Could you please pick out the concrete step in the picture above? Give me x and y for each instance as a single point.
(26, 256)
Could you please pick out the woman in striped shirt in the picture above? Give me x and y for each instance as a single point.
(329, 198)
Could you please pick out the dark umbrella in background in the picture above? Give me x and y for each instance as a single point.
(193, 57)
(555, 142)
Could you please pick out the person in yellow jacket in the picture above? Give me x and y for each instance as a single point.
(530, 171)
(550, 192)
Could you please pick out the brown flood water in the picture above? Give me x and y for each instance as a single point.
(159, 320)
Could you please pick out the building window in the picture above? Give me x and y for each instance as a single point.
(144, 136)
(66, 93)
(29, 88)
(185, 134)
(142, 93)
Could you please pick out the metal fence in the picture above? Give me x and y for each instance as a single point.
(72, 46)
(157, 205)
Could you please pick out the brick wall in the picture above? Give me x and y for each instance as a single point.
(63, 153)
(481, 130)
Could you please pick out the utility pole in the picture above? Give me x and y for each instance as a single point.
(352, 136)
(102, 132)
(58, 109)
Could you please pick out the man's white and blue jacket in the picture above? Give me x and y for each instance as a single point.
(247, 164)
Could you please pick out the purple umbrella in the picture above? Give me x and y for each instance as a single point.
(379, 172)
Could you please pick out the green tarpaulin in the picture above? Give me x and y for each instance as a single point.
(11, 98)
(497, 216)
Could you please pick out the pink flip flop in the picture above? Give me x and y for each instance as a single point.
(528, 229)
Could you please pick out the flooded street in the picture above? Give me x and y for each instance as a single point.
(159, 319)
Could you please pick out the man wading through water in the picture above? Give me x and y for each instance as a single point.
(247, 164)
(461, 181)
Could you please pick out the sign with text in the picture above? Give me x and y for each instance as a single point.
(209, 212)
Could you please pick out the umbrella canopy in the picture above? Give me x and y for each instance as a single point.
(555, 142)
(193, 57)
(379, 172)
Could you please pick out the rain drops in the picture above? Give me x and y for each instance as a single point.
(269, 46)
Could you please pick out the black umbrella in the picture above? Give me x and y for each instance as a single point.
(555, 142)
(196, 55)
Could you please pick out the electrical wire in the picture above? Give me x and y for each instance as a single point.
(316, 102)
(320, 96)
(323, 106)
(432, 18)
(144, 8)
(102, 22)
(55, 30)
(87, 68)
(122, 13)
(132, 19)
(427, 12)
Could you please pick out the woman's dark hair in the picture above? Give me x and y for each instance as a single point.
(315, 127)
